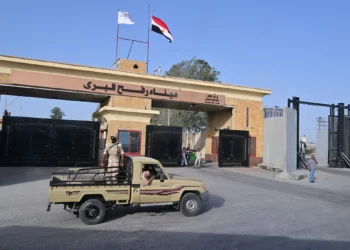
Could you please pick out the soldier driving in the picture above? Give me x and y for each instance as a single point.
(115, 153)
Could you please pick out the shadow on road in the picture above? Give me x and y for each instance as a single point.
(16, 175)
(213, 202)
(17, 237)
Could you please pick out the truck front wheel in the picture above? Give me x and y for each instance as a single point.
(190, 205)
(92, 212)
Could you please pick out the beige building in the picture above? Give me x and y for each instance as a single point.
(127, 95)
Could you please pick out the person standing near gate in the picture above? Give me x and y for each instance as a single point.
(197, 163)
(312, 167)
(183, 157)
(115, 154)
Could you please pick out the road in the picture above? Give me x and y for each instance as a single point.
(246, 210)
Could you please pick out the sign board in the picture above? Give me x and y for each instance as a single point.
(61, 82)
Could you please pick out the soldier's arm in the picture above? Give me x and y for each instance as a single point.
(104, 156)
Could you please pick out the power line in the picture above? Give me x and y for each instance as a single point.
(10, 103)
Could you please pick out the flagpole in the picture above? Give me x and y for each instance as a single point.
(149, 31)
(116, 52)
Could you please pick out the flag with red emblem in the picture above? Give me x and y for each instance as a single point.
(161, 28)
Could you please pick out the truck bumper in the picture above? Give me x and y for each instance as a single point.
(205, 196)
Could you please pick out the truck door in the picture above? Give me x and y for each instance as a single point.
(159, 191)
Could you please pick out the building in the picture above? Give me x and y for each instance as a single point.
(127, 95)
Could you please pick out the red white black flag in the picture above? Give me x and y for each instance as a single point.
(160, 27)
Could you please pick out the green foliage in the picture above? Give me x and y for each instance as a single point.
(57, 113)
(309, 151)
(196, 69)
(183, 118)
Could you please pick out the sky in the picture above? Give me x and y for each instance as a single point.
(294, 48)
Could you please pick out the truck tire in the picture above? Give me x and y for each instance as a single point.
(92, 212)
(190, 205)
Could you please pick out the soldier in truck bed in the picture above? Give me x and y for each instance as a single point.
(115, 153)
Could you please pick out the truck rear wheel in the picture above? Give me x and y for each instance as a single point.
(190, 205)
(92, 212)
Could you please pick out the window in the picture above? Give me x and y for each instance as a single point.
(215, 145)
(247, 118)
(131, 141)
(252, 146)
(155, 170)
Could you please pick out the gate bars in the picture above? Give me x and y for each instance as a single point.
(340, 157)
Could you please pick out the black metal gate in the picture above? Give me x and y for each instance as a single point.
(346, 142)
(164, 143)
(332, 139)
(33, 141)
(233, 148)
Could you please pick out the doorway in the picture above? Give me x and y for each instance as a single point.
(131, 141)
(164, 143)
(233, 148)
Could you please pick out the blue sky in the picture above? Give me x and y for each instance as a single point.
(295, 48)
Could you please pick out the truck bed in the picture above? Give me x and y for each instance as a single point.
(93, 176)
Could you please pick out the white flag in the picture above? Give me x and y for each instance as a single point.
(124, 18)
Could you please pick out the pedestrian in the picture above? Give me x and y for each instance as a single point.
(115, 154)
(183, 157)
(312, 167)
(197, 163)
(188, 156)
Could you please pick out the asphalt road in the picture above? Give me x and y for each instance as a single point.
(245, 211)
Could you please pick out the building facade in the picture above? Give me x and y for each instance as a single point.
(127, 95)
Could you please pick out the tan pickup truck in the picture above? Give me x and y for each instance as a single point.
(91, 192)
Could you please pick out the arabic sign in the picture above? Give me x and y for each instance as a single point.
(212, 99)
(120, 89)
(167, 91)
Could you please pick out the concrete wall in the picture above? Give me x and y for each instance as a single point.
(274, 138)
(280, 140)
(290, 144)
(322, 147)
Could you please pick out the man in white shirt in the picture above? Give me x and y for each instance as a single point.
(312, 166)
(197, 163)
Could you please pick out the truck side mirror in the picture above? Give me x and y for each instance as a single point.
(161, 177)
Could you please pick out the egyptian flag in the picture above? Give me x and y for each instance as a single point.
(160, 27)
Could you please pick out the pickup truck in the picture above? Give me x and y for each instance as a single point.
(91, 192)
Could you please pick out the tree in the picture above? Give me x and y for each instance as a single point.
(97, 109)
(197, 69)
(57, 113)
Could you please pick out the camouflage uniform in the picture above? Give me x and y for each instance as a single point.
(114, 152)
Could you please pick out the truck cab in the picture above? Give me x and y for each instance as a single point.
(92, 191)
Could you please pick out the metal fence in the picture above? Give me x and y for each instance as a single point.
(333, 138)
(322, 123)
(273, 112)
(33, 141)
(346, 142)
